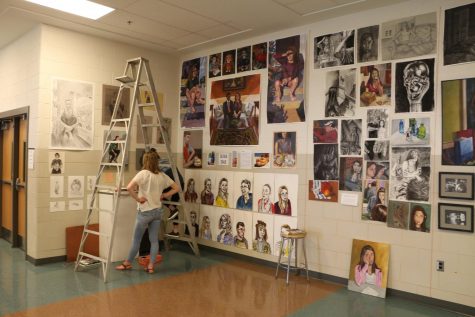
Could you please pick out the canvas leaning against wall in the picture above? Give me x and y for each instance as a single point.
(235, 111)
(369, 268)
(193, 93)
(72, 115)
(285, 92)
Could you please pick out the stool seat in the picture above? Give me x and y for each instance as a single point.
(291, 236)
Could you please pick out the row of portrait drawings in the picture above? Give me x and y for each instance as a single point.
(253, 231)
(403, 38)
(413, 88)
(75, 186)
(259, 192)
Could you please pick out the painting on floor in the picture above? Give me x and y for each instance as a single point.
(285, 94)
(369, 268)
(234, 111)
(193, 93)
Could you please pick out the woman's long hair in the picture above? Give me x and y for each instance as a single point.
(412, 224)
(361, 264)
(150, 162)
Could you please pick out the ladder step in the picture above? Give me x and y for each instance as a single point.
(146, 104)
(97, 233)
(179, 221)
(95, 257)
(180, 237)
(121, 120)
(125, 79)
(111, 164)
(107, 187)
(150, 125)
(166, 202)
(116, 142)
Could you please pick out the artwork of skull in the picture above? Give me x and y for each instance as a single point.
(417, 82)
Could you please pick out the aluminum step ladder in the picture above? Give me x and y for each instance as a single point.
(138, 77)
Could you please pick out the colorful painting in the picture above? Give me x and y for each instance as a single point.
(410, 131)
(409, 37)
(286, 194)
(229, 62)
(243, 195)
(192, 148)
(323, 190)
(259, 56)
(285, 94)
(264, 193)
(261, 160)
(334, 49)
(419, 218)
(284, 149)
(375, 86)
(398, 214)
(214, 68)
(234, 111)
(351, 173)
(193, 93)
(325, 131)
(375, 200)
(369, 268)
(243, 59)
(458, 122)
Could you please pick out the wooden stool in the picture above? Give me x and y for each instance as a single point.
(292, 238)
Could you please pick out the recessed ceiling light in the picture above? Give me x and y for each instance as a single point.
(83, 8)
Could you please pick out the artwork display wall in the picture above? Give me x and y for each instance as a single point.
(193, 93)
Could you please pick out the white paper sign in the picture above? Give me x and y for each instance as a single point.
(349, 199)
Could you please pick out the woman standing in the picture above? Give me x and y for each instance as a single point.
(147, 189)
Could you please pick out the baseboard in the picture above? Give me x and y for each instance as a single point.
(54, 259)
(451, 306)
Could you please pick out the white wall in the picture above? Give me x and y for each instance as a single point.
(65, 54)
(331, 227)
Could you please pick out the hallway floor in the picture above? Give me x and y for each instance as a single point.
(183, 285)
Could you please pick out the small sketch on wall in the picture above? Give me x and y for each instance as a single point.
(57, 162)
(56, 186)
(55, 206)
(75, 186)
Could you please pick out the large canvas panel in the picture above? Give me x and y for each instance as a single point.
(285, 92)
(409, 37)
(193, 93)
(369, 268)
(72, 115)
(235, 111)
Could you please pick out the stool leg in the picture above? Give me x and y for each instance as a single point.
(297, 270)
(280, 256)
(305, 257)
(290, 256)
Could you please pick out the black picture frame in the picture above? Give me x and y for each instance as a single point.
(455, 185)
(455, 217)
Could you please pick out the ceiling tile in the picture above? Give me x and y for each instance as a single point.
(218, 31)
(159, 30)
(190, 39)
(172, 15)
(306, 6)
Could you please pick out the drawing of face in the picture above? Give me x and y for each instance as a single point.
(223, 222)
(367, 43)
(368, 257)
(206, 222)
(375, 74)
(187, 138)
(371, 171)
(229, 58)
(240, 231)
(244, 188)
(191, 185)
(357, 167)
(208, 186)
(382, 196)
(193, 217)
(416, 80)
(223, 186)
(418, 218)
(266, 192)
(55, 166)
(262, 232)
(284, 194)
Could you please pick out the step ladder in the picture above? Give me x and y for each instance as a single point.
(138, 77)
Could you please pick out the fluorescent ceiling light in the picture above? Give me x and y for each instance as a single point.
(84, 8)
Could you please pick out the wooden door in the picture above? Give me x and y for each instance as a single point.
(13, 179)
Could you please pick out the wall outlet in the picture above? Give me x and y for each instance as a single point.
(440, 265)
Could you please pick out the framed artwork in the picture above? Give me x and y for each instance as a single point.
(456, 217)
(458, 35)
(458, 122)
(244, 59)
(259, 56)
(229, 62)
(214, 68)
(369, 268)
(456, 185)
(109, 96)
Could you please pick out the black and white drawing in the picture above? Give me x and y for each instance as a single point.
(415, 86)
(56, 187)
(334, 49)
(410, 173)
(55, 206)
(72, 115)
(75, 186)
(367, 43)
(350, 142)
(57, 162)
(459, 35)
(325, 161)
(409, 37)
(377, 124)
(376, 150)
(340, 94)
(410, 131)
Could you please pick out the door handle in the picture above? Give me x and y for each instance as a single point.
(19, 184)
